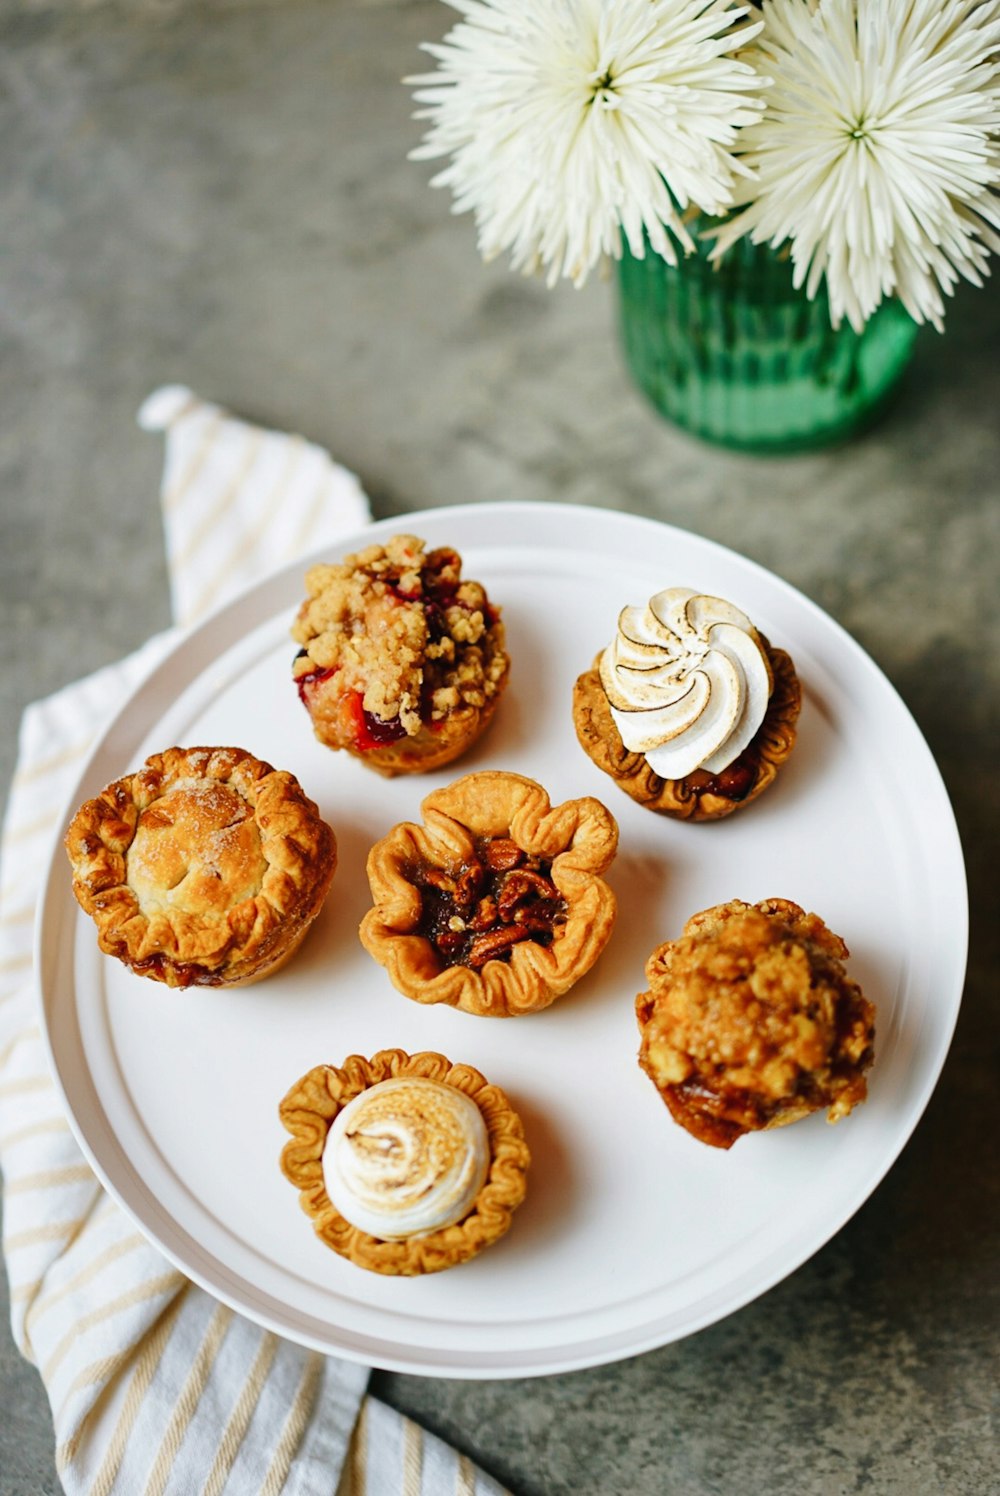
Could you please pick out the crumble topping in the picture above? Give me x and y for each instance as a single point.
(401, 629)
(752, 1015)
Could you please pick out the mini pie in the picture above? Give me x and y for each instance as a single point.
(752, 1022)
(402, 663)
(406, 1151)
(495, 904)
(205, 868)
(708, 704)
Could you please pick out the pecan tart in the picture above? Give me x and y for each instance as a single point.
(752, 1022)
(690, 710)
(406, 1164)
(495, 904)
(205, 868)
(402, 663)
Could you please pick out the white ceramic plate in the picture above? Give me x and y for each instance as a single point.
(632, 1233)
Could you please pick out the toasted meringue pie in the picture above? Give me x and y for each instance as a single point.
(402, 662)
(406, 1157)
(206, 868)
(406, 1164)
(752, 1022)
(689, 709)
(495, 904)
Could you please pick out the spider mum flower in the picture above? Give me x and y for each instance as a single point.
(572, 122)
(877, 153)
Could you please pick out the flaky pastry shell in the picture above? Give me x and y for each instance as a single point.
(600, 739)
(579, 838)
(751, 1022)
(308, 1112)
(205, 868)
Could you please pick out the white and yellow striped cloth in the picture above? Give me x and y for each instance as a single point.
(156, 1389)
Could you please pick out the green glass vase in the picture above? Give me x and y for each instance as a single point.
(734, 353)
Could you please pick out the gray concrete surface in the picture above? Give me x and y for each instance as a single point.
(220, 195)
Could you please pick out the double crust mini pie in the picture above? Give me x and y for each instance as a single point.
(205, 868)
(752, 1022)
(690, 710)
(427, 1157)
(402, 663)
(495, 904)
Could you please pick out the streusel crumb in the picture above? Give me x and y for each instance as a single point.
(403, 632)
(751, 1020)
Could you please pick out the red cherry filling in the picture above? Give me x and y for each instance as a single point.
(370, 731)
(306, 683)
(364, 730)
(186, 974)
(734, 782)
(367, 730)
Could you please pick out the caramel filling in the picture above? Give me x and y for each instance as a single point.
(480, 911)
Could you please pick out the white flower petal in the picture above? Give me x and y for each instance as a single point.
(876, 157)
(572, 124)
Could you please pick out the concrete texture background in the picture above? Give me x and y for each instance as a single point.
(220, 195)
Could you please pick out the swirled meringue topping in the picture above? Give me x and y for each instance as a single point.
(406, 1157)
(687, 680)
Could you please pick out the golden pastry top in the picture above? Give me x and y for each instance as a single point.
(196, 850)
(206, 858)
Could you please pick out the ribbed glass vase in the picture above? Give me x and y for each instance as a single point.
(734, 353)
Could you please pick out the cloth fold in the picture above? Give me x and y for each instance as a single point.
(154, 1386)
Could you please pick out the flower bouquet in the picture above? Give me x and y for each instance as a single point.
(788, 188)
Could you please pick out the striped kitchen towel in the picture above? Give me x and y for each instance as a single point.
(156, 1389)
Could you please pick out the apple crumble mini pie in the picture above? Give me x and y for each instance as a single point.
(205, 868)
(402, 662)
(495, 904)
(405, 1164)
(752, 1022)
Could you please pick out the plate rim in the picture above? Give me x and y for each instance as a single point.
(55, 902)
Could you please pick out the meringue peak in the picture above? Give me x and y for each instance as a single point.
(688, 681)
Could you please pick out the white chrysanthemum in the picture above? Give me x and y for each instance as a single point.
(877, 152)
(572, 122)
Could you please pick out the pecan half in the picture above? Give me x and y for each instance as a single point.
(501, 853)
(493, 943)
(486, 914)
(467, 885)
(435, 877)
(520, 884)
(538, 917)
(503, 893)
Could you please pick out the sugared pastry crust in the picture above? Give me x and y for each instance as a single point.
(405, 1142)
(708, 705)
(402, 662)
(495, 904)
(205, 868)
(752, 1022)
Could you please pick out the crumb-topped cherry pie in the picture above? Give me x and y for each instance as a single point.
(402, 662)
